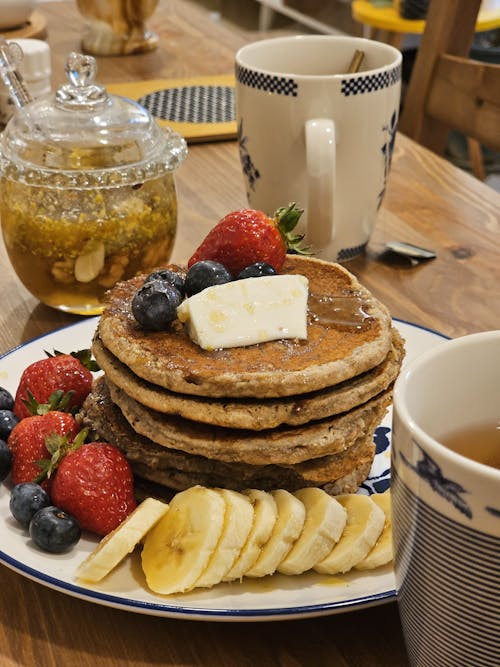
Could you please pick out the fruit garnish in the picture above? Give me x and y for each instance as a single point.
(54, 530)
(60, 372)
(25, 501)
(173, 278)
(205, 273)
(6, 399)
(94, 483)
(8, 421)
(247, 236)
(122, 540)
(5, 460)
(154, 305)
(256, 270)
(28, 444)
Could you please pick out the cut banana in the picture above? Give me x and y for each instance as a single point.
(382, 552)
(113, 548)
(323, 527)
(265, 515)
(180, 546)
(237, 525)
(365, 521)
(206, 536)
(288, 526)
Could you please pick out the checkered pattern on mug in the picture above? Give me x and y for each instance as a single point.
(367, 84)
(271, 84)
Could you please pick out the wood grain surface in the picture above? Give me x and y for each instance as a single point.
(429, 202)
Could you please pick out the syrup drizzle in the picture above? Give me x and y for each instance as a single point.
(343, 311)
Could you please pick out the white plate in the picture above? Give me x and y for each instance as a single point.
(272, 598)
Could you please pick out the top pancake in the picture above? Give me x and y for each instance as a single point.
(332, 353)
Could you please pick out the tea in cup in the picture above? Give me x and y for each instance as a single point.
(311, 132)
(445, 486)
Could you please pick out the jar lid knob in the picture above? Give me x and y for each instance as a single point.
(81, 91)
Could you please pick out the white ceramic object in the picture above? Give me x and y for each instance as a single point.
(311, 133)
(13, 13)
(273, 598)
(446, 507)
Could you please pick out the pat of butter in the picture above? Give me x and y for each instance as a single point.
(248, 311)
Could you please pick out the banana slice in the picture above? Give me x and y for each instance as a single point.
(180, 546)
(113, 548)
(288, 526)
(365, 521)
(382, 553)
(323, 527)
(265, 515)
(237, 525)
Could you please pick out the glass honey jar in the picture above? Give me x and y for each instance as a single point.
(87, 193)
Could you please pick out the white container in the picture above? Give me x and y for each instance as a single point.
(13, 13)
(35, 69)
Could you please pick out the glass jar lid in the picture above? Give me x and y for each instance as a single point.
(84, 137)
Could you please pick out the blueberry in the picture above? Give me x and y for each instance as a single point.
(52, 529)
(154, 305)
(168, 276)
(7, 422)
(6, 400)
(5, 460)
(25, 501)
(204, 274)
(257, 270)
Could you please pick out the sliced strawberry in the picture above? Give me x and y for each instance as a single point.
(94, 483)
(247, 236)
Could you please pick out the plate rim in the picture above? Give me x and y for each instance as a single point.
(190, 612)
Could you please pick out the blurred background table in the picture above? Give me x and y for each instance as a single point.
(386, 24)
(429, 202)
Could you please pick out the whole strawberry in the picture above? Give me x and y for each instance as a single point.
(28, 443)
(62, 372)
(94, 483)
(247, 236)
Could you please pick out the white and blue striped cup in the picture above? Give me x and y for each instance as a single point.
(446, 507)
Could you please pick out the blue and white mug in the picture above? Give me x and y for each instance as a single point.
(446, 504)
(311, 133)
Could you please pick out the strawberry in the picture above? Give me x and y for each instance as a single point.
(66, 373)
(94, 483)
(247, 236)
(28, 443)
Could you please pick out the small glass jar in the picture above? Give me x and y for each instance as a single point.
(87, 194)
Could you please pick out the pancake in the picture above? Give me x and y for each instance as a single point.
(177, 469)
(281, 445)
(166, 482)
(250, 413)
(349, 333)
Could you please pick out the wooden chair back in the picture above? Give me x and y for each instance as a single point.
(447, 89)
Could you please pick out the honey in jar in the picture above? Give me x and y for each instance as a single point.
(87, 192)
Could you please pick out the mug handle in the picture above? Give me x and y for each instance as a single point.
(320, 163)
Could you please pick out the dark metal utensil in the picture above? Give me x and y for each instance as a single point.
(410, 250)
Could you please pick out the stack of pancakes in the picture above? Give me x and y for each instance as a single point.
(281, 414)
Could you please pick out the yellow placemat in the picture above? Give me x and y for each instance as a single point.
(199, 108)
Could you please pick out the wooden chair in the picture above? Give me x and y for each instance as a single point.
(449, 90)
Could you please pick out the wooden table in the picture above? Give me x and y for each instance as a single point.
(429, 202)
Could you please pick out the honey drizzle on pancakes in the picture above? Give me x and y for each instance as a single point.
(343, 311)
